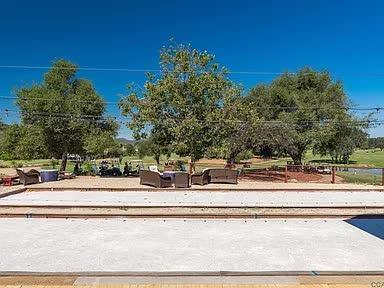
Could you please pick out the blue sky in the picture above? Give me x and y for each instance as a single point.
(344, 37)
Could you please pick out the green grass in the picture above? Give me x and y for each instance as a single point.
(360, 178)
(368, 158)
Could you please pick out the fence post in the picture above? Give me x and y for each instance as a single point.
(382, 176)
(333, 175)
(286, 174)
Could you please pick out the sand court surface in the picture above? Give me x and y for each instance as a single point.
(164, 245)
(199, 198)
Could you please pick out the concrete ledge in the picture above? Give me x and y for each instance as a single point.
(193, 273)
(205, 189)
(12, 192)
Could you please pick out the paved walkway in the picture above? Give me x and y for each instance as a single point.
(165, 245)
(193, 198)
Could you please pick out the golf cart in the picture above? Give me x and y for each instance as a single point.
(109, 168)
(323, 170)
(133, 167)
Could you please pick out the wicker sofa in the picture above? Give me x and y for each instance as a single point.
(30, 177)
(223, 176)
(215, 176)
(155, 179)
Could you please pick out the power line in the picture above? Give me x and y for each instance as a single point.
(57, 100)
(69, 116)
(144, 70)
(77, 68)
(257, 107)
(55, 114)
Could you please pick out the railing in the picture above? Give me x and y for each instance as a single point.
(322, 174)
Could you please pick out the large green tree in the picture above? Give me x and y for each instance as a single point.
(237, 128)
(2, 128)
(22, 142)
(183, 105)
(377, 142)
(340, 138)
(100, 143)
(296, 107)
(66, 109)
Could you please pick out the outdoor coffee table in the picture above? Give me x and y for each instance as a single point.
(170, 174)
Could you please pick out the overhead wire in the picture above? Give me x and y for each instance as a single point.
(123, 69)
(86, 117)
(352, 108)
(135, 70)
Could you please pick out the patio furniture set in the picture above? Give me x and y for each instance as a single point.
(151, 177)
(33, 176)
(184, 180)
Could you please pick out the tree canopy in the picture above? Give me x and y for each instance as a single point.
(183, 105)
(22, 142)
(65, 108)
(377, 142)
(298, 108)
(191, 108)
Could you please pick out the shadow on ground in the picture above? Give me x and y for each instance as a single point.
(371, 224)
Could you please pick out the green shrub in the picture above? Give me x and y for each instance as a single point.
(87, 169)
(54, 163)
(16, 164)
(4, 165)
(244, 155)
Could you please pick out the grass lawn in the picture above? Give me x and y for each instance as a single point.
(360, 178)
(365, 158)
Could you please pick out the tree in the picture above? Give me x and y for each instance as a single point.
(295, 107)
(340, 138)
(181, 107)
(101, 143)
(129, 149)
(2, 128)
(65, 108)
(377, 142)
(151, 147)
(22, 142)
(8, 142)
(237, 128)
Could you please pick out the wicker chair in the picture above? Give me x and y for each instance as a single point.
(155, 179)
(201, 178)
(30, 177)
(181, 180)
(223, 176)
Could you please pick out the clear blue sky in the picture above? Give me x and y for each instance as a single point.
(345, 37)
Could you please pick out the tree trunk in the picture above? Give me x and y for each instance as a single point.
(192, 165)
(297, 159)
(64, 157)
(231, 159)
(157, 158)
